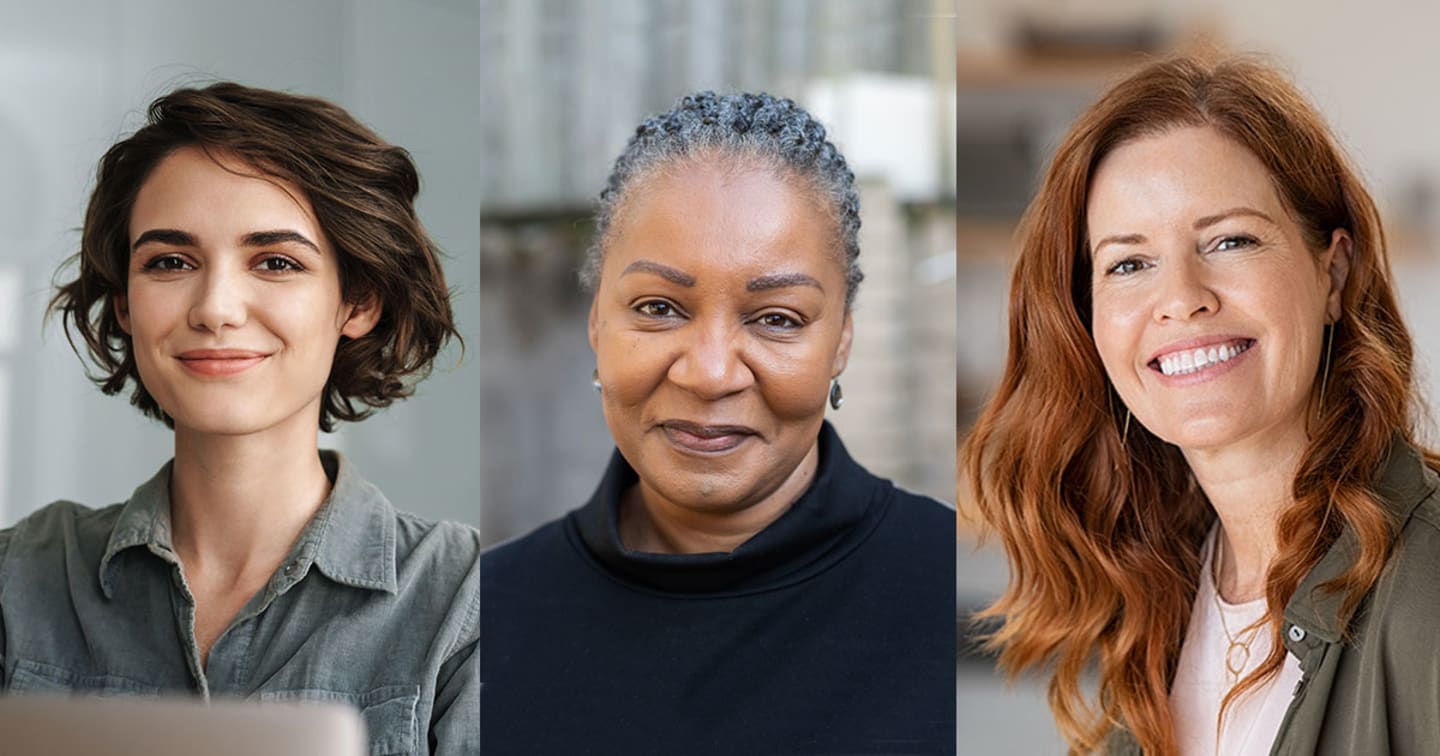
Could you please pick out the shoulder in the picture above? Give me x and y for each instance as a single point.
(437, 552)
(56, 528)
(518, 556)
(1408, 595)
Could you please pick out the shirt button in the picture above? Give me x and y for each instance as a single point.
(290, 569)
(1296, 634)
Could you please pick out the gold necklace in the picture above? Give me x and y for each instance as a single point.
(1237, 654)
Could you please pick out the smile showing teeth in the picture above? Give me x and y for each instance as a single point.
(1195, 360)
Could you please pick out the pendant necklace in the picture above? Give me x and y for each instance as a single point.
(1237, 654)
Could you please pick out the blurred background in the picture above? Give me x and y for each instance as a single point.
(566, 83)
(1026, 70)
(77, 75)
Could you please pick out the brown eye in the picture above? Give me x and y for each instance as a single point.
(279, 264)
(167, 263)
(779, 321)
(656, 308)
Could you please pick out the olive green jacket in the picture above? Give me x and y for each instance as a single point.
(1379, 692)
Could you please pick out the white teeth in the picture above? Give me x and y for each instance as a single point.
(1193, 361)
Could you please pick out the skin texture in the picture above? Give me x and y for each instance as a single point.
(724, 350)
(279, 300)
(246, 477)
(1191, 241)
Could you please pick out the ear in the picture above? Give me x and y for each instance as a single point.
(842, 352)
(594, 323)
(1336, 262)
(362, 318)
(121, 303)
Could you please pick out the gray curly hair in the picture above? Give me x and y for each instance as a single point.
(762, 126)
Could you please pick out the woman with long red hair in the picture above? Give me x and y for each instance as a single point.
(1202, 459)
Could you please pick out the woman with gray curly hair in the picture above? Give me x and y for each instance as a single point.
(737, 582)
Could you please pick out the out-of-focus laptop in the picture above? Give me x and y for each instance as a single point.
(89, 726)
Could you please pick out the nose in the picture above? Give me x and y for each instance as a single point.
(711, 364)
(1185, 293)
(220, 300)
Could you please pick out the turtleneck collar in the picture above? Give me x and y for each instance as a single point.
(833, 516)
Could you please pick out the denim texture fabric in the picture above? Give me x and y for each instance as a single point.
(374, 608)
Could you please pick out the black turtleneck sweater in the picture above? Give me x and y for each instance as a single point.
(832, 631)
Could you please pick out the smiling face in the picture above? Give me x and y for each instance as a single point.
(233, 299)
(717, 325)
(1208, 307)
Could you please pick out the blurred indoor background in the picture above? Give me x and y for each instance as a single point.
(76, 75)
(566, 84)
(1026, 70)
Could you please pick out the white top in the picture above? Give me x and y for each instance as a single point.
(1202, 679)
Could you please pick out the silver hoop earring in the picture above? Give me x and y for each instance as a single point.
(595, 379)
(837, 397)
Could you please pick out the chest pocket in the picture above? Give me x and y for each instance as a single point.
(391, 725)
(35, 677)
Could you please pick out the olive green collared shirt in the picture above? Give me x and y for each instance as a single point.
(374, 608)
(1379, 692)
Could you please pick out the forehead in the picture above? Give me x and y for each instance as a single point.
(724, 214)
(217, 194)
(1178, 175)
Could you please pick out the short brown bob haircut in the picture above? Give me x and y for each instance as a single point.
(363, 194)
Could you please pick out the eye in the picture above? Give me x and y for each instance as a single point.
(168, 263)
(779, 321)
(1126, 267)
(656, 308)
(1234, 242)
(279, 264)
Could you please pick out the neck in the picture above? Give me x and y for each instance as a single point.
(651, 523)
(1249, 484)
(239, 502)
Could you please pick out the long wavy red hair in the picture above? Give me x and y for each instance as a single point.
(1104, 538)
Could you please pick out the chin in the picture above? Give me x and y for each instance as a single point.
(1200, 435)
(701, 493)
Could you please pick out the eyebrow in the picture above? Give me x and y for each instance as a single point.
(257, 239)
(673, 275)
(781, 281)
(1200, 224)
(1211, 220)
(165, 236)
(271, 238)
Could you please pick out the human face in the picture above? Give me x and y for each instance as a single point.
(233, 300)
(1194, 252)
(717, 325)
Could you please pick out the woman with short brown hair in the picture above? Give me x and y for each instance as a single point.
(253, 270)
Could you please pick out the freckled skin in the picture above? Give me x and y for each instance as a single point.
(223, 293)
(1243, 275)
(716, 353)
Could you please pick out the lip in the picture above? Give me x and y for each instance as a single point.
(1208, 373)
(702, 438)
(220, 362)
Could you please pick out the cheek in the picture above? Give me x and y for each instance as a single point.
(794, 379)
(1115, 330)
(632, 365)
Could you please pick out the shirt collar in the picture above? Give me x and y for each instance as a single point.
(351, 539)
(1402, 483)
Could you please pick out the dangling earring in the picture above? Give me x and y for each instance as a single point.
(595, 379)
(1125, 431)
(837, 397)
(1325, 371)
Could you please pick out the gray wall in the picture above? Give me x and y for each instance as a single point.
(76, 75)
